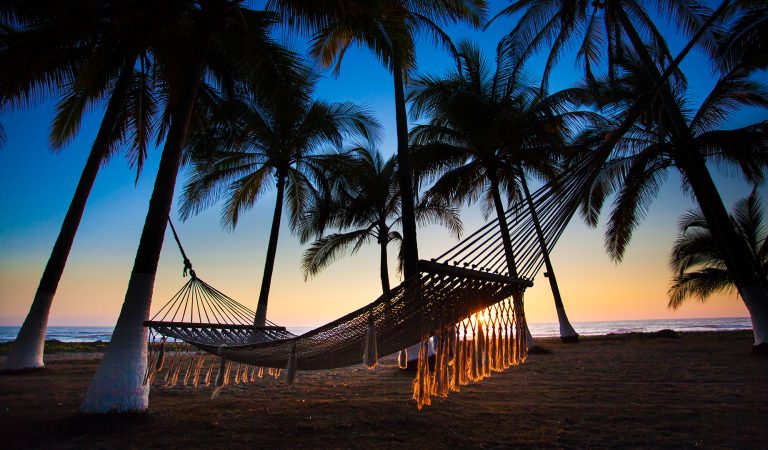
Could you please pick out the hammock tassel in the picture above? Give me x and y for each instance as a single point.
(210, 372)
(220, 376)
(189, 370)
(402, 359)
(227, 372)
(487, 354)
(437, 374)
(244, 374)
(494, 356)
(237, 373)
(160, 357)
(464, 358)
(456, 362)
(371, 354)
(472, 372)
(441, 366)
(277, 373)
(521, 347)
(169, 374)
(261, 372)
(290, 377)
(478, 370)
(198, 369)
(152, 367)
(421, 387)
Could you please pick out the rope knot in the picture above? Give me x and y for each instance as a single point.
(188, 268)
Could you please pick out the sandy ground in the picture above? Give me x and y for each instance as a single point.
(702, 390)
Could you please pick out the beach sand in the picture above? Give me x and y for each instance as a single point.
(701, 390)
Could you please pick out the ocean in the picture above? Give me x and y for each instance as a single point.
(93, 334)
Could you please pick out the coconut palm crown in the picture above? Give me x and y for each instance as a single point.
(696, 259)
(389, 29)
(253, 144)
(363, 204)
(643, 157)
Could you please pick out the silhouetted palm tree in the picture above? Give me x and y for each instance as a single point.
(129, 109)
(644, 155)
(106, 73)
(190, 41)
(387, 27)
(364, 205)
(253, 140)
(487, 129)
(696, 259)
(627, 27)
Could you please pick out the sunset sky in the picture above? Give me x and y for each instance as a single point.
(37, 186)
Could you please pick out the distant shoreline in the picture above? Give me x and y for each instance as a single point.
(53, 346)
(79, 334)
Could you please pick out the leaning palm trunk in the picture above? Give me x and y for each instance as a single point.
(567, 333)
(734, 250)
(753, 291)
(506, 241)
(27, 351)
(410, 248)
(269, 264)
(118, 385)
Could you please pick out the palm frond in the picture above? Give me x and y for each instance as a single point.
(326, 250)
(639, 187)
(700, 284)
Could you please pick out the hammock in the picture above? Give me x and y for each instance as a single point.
(466, 298)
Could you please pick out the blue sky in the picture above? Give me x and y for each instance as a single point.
(37, 185)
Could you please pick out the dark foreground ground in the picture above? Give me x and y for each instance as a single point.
(701, 390)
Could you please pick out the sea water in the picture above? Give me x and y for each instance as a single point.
(93, 334)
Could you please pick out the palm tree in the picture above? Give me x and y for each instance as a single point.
(387, 27)
(364, 198)
(80, 83)
(486, 130)
(123, 111)
(646, 153)
(696, 259)
(189, 41)
(556, 23)
(255, 139)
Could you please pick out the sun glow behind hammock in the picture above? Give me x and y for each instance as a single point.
(466, 298)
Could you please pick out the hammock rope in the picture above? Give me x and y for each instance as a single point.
(465, 298)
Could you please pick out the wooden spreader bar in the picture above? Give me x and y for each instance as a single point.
(444, 269)
(218, 326)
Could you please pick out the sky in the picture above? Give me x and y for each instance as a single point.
(36, 185)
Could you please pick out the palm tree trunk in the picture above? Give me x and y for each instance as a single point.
(753, 291)
(503, 226)
(567, 333)
(405, 179)
(118, 385)
(27, 351)
(383, 270)
(506, 241)
(269, 264)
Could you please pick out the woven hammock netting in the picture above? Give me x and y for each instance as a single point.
(467, 303)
